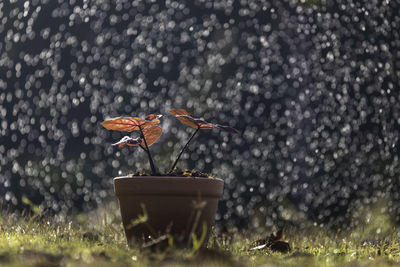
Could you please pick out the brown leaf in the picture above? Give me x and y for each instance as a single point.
(204, 125)
(151, 134)
(123, 124)
(280, 246)
(184, 117)
(274, 242)
(188, 120)
(152, 117)
(179, 112)
(130, 124)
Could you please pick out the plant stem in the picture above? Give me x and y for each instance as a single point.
(153, 168)
(183, 149)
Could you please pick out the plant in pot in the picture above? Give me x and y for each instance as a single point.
(177, 204)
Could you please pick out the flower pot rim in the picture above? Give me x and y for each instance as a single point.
(168, 185)
(166, 177)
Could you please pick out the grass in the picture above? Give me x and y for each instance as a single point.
(97, 240)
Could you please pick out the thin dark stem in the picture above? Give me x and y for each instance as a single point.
(183, 149)
(153, 168)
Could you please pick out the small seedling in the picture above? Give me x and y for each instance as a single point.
(150, 132)
(184, 117)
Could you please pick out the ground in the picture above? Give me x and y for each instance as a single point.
(41, 240)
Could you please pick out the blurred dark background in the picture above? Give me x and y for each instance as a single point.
(313, 86)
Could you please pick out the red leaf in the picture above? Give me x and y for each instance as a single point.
(123, 124)
(184, 117)
(151, 134)
(188, 120)
(130, 124)
(179, 112)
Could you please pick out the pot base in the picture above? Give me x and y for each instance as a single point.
(179, 206)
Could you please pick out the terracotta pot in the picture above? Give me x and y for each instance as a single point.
(175, 205)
